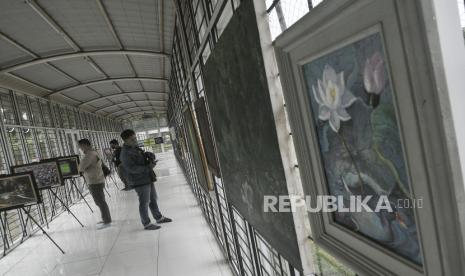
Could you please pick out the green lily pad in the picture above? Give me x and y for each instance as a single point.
(387, 144)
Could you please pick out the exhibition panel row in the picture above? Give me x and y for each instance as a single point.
(34, 130)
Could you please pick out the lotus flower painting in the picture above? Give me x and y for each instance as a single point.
(352, 102)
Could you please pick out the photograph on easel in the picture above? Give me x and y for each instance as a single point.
(47, 173)
(69, 166)
(18, 190)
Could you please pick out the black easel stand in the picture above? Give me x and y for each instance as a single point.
(73, 183)
(4, 237)
(66, 206)
(43, 230)
(44, 209)
(114, 181)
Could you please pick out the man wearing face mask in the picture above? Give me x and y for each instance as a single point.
(140, 176)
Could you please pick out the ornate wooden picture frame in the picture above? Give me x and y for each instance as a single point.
(356, 80)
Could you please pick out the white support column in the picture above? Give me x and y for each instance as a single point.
(445, 44)
(286, 144)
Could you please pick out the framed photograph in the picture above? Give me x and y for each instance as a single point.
(159, 140)
(205, 132)
(69, 166)
(47, 173)
(18, 190)
(346, 72)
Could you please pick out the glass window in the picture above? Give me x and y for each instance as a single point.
(31, 147)
(57, 114)
(54, 147)
(3, 161)
(36, 113)
(64, 117)
(78, 119)
(7, 109)
(43, 146)
(223, 21)
(72, 119)
(48, 121)
(14, 142)
(63, 141)
(25, 117)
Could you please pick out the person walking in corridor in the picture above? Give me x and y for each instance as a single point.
(91, 167)
(138, 171)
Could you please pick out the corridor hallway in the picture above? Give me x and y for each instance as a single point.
(184, 247)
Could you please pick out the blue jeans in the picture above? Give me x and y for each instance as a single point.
(147, 199)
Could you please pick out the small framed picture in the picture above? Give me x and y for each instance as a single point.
(18, 190)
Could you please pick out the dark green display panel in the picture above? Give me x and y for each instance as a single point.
(243, 125)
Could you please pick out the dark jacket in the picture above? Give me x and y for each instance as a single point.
(135, 169)
(117, 156)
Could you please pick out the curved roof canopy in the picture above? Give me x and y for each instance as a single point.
(107, 56)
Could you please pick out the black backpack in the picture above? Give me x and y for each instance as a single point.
(116, 157)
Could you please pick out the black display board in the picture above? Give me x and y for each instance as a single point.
(159, 140)
(18, 190)
(69, 166)
(245, 133)
(46, 173)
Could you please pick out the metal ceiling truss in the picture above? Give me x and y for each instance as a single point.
(87, 56)
(153, 111)
(138, 93)
(67, 89)
(139, 113)
(82, 54)
(136, 102)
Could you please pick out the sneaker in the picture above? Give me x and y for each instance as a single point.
(103, 226)
(151, 227)
(164, 220)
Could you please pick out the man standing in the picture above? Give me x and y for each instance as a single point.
(139, 175)
(117, 162)
(91, 166)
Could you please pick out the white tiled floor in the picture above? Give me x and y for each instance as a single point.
(184, 247)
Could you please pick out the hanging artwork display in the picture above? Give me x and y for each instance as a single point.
(207, 139)
(18, 190)
(245, 134)
(351, 106)
(194, 148)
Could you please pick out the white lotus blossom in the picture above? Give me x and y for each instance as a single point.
(333, 98)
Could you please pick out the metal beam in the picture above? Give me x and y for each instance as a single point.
(83, 55)
(136, 102)
(140, 113)
(138, 93)
(34, 55)
(154, 110)
(104, 81)
(45, 16)
(110, 25)
(29, 82)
